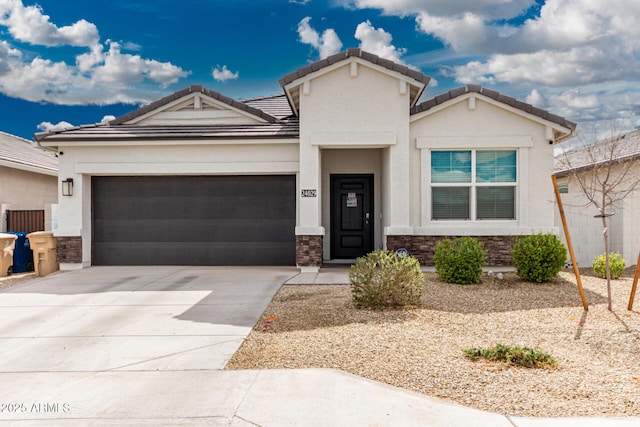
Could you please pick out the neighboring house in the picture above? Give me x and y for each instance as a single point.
(28, 184)
(584, 227)
(344, 162)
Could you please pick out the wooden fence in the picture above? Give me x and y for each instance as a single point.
(25, 221)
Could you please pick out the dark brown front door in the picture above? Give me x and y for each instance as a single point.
(351, 216)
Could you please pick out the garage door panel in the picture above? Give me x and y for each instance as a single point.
(215, 220)
(195, 253)
(200, 207)
(229, 230)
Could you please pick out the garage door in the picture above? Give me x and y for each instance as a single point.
(194, 220)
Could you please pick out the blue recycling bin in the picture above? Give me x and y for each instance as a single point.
(22, 254)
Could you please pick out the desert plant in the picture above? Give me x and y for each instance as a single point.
(616, 265)
(538, 257)
(386, 279)
(459, 260)
(512, 355)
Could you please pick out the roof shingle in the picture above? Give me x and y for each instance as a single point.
(23, 152)
(497, 96)
(349, 53)
(184, 92)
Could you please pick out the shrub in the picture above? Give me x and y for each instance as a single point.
(616, 265)
(386, 279)
(459, 260)
(539, 257)
(512, 355)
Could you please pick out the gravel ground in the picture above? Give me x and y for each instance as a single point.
(16, 279)
(420, 349)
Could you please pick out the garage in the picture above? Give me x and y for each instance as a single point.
(193, 220)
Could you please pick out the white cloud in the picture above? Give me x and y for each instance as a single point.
(106, 119)
(222, 74)
(97, 76)
(50, 127)
(492, 9)
(327, 44)
(378, 42)
(122, 68)
(29, 24)
(302, 2)
(536, 99)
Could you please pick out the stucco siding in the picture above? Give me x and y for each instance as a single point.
(22, 190)
(355, 106)
(483, 125)
(27, 190)
(586, 230)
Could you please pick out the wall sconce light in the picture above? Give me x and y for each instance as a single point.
(67, 187)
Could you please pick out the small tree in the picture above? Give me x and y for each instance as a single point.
(603, 171)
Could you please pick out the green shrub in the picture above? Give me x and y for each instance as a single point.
(539, 257)
(386, 279)
(616, 265)
(512, 355)
(459, 260)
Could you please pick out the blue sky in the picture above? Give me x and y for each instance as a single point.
(76, 62)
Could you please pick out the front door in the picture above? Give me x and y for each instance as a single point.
(351, 216)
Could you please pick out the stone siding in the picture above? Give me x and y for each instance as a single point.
(422, 247)
(69, 249)
(309, 251)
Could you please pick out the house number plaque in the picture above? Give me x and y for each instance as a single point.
(310, 193)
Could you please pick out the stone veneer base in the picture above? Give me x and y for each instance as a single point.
(422, 247)
(69, 249)
(309, 250)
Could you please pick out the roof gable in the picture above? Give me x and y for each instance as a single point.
(496, 98)
(292, 82)
(195, 105)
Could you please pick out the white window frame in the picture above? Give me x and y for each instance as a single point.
(473, 185)
(426, 143)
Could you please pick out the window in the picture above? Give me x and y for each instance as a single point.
(473, 184)
(563, 188)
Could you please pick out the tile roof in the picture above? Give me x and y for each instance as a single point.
(512, 102)
(349, 53)
(115, 133)
(624, 148)
(24, 153)
(184, 92)
(275, 105)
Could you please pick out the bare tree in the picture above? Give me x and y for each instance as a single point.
(606, 172)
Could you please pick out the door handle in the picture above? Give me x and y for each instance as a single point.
(366, 218)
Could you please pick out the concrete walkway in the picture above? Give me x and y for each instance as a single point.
(145, 346)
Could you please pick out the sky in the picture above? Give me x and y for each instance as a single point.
(68, 63)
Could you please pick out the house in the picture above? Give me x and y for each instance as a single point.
(584, 223)
(28, 185)
(345, 161)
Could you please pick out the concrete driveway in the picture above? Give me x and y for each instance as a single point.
(57, 332)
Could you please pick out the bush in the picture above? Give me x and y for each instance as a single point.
(386, 279)
(459, 260)
(539, 257)
(616, 265)
(512, 355)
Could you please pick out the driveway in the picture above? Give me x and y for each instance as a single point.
(60, 333)
(142, 318)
